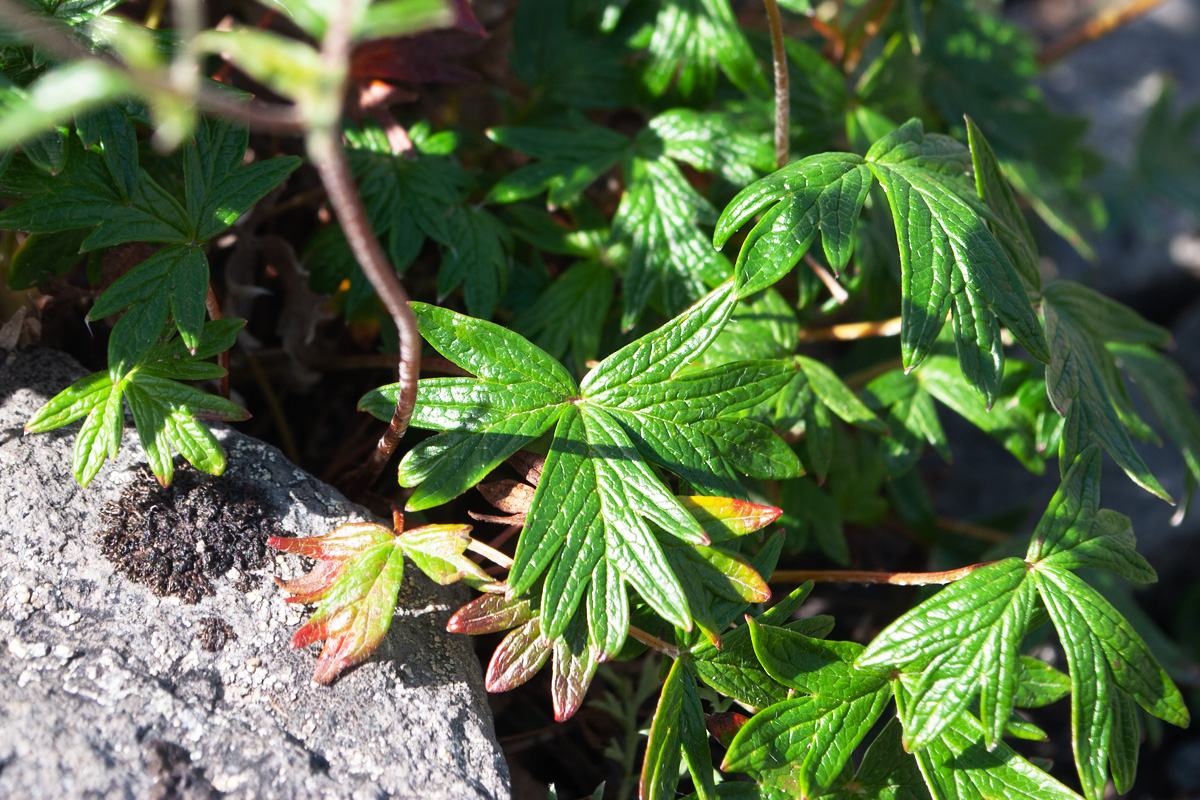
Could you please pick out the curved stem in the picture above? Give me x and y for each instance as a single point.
(857, 576)
(779, 55)
(327, 155)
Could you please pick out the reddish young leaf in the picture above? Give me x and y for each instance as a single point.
(490, 613)
(725, 518)
(518, 658)
(437, 550)
(345, 542)
(574, 667)
(725, 725)
(356, 611)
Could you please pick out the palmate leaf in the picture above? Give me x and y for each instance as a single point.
(958, 765)
(597, 497)
(963, 641)
(822, 193)
(356, 579)
(1166, 389)
(568, 160)
(1082, 378)
(966, 640)
(948, 255)
(691, 38)
(802, 743)
(670, 260)
(165, 412)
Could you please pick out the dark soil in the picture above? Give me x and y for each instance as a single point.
(176, 539)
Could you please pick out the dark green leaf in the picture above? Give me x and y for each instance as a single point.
(570, 314)
(691, 39)
(1082, 379)
(568, 160)
(1008, 223)
(822, 193)
(678, 728)
(670, 259)
(42, 256)
(1110, 665)
(947, 253)
(476, 258)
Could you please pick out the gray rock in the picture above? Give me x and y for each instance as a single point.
(105, 690)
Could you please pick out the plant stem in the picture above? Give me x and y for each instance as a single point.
(334, 168)
(857, 576)
(1097, 27)
(779, 55)
(272, 118)
(490, 553)
(836, 289)
(652, 641)
(852, 330)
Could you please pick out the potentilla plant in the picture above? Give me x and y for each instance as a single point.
(632, 234)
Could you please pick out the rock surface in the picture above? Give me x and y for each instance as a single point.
(107, 690)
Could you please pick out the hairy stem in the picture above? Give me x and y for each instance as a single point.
(779, 55)
(857, 576)
(852, 330)
(1097, 27)
(327, 155)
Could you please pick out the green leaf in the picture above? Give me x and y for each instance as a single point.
(1166, 389)
(1075, 532)
(407, 199)
(911, 417)
(761, 326)
(958, 765)
(437, 550)
(218, 186)
(565, 64)
(567, 160)
(947, 253)
(596, 498)
(802, 744)
(887, 772)
(570, 314)
(355, 583)
(1007, 421)
(175, 279)
(678, 728)
(109, 124)
(83, 196)
(386, 18)
(964, 640)
(42, 256)
(822, 193)
(1110, 666)
(477, 259)
(55, 97)
(660, 353)
(1008, 223)
(838, 398)
(1040, 684)
(691, 39)
(670, 260)
(713, 142)
(1082, 378)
